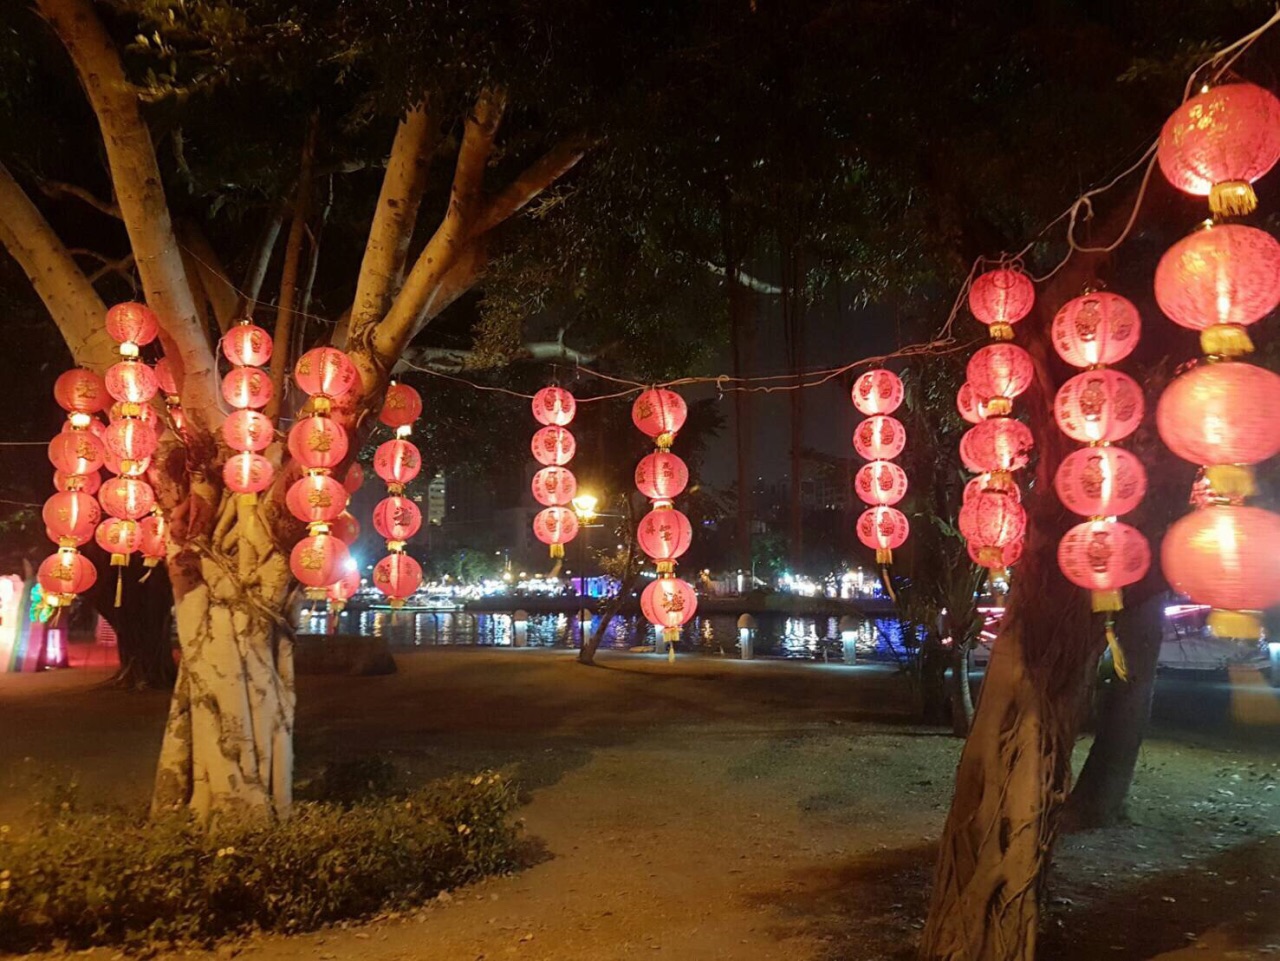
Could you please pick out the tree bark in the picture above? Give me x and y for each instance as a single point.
(961, 691)
(142, 622)
(628, 581)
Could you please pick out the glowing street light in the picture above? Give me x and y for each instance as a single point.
(584, 505)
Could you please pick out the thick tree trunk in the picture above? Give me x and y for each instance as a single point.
(1124, 710)
(142, 623)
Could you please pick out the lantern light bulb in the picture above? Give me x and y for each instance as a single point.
(404, 430)
(79, 421)
(129, 349)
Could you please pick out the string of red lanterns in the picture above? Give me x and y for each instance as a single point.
(881, 483)
(554, 485)
(396, 518)
(664, 534)
(247, 388)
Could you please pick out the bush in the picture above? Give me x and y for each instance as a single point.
(82, 880)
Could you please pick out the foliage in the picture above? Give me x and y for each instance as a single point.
(82, 880)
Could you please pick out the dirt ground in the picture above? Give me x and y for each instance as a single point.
(754, 811)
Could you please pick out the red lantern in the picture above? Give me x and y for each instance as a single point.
(80, 391)
(318, 443)
(997, 558)
(877, 392)
(664, 535)
(879, 438)
(397, 462)
(661, 476)
(76, 452)
(998, 444)
(248, 430)
(316, 499)
(884, 529)
(127, 497)
(998, 481)
(397, 518)
(119, 537)
(132, 323)
(554, 486)
(1217, 280)
(401, 406)
(247, 345)
(1001, 298)
(1226, 413)
(153, 533)
(125, 468)
(659, 413)
(71, 516)
(669, 603)
(397, 575)
(880, 482)
(343, 589)
(165, 380)
(144, 413)
(131, 382)
(89, 483)
(971, 408)
(66, 573)
(1099, 405)
(345, 528)
(1103, 557)
(555, 526)
(553, 446)
(354, 478)
(318, 560)
(247, 387)
(1219, 142)
(247, 473)
(1096, 328)
(1100, 481)
(1228, 557)
(554, 407)
(992, 518)
(998, 373)
(130, 439)
(326, 371)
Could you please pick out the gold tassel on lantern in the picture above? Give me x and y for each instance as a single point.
(1225, 340)
(1230, 481)
(884, 556)
(666, 567)
(665, 440)
(1001, 331)
(1232, 198)
(1118, 661)
(1245, 625)
(998, 407)
(557, 550)
(1107, 601)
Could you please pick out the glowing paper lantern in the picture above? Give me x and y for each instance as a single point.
(81, 391)
(970, 407)
(66, 574)
(877, 392)
(247, 387)
(345, 528)
(998, 444)
(397, 462)
(553, 446)
(661, 476)
(1100, 481)
(555, 527)
(76, 452)
(401, 406)
(153, 533)
(247, 345)
(997, 481)
(131, 382)
(880, 482)
(669, 603)
(71, 516)
(1001, 298)
(119, 537)
(89, 483)
(130, 439)
(247, 473)
(248, 430)
(397, 518)
(554, 407)
(343, 589)
(1228, 557)
(554, 486)
(132, 323)
(318, 560)
(316, 499)
(1103, 557)
(998, 373)
(992, 518)
(997, 559)
(664, 535)
(1219, 280)
(165, 379)
(1099, 405)
(327, 372)
(879, 438)
(1222, 414)
(126, 468)
(1219, 142)
(659, 413)
(1096, 328)
(127, 497)
(354, 478)
(318, 443)
(883, 529)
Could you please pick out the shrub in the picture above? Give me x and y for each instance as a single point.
(84, 880)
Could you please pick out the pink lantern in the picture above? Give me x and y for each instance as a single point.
(130, 439)
(1225, 413)
(1100, 481)
(80, 391)
(354, 478)
(879, 438)
(397, 462)
(124, 467)
(76, 452)
(343, 589)
(880, 482)
(1099, 405)
(1096, 328)
(554, 486)
(1104, 556)
(1000, 298)
(992, 518)
(555, 526)
(66, 574)
(397, 518)
(998, 373)
(327, 372)
(316, 499)
(127, 497)
(554, 407)
(998, 444)
(318, 560)
(247, 473)
(318, 443)
(661, 476)
(884, 529)
(877, 392)
(247, 387)
(165, 379)
(669, 603)
(998, 481)
(664, 535)
(89, 483)
(401, 406)
(71, 516)
(1219, 142)
(153, 533)
(119, 537)
(132, 323)
(970, 407)
(247, 345)
(131, 382)
(248, 430)
(997, 558)
(397, 575)
(553, 446)
(659, 413)
(345, 528)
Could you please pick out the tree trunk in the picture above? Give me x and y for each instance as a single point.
(142, 623)
(1124, 710)
(961, 691)
(628, 581)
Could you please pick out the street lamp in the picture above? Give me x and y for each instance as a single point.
(584, 506)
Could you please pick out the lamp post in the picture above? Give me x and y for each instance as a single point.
(584, 506)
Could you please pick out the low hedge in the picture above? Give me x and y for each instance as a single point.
(84, 880)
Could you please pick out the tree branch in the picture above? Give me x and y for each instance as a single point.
(59, 189)
(451, 361)
(258, 264)
(745, 279)
(109, 265)
(540, 175)
(67, 294)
